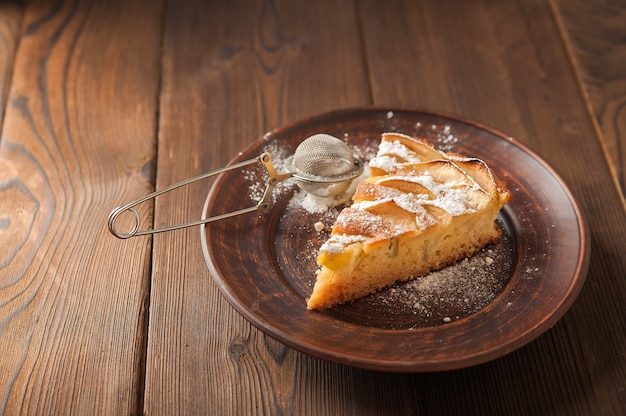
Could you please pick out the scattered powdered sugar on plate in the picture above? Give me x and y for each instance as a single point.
(445, 138)
(453, 292)
(258, 178)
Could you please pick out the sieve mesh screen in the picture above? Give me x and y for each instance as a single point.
(323, 156)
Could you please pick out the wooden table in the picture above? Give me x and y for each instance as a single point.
(103, 101)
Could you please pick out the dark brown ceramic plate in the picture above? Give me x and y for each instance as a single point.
(470, 313)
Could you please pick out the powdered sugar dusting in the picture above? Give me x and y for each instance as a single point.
(337, 242)
(453, 292)
(258, 179)
(450, 197)
(445, 138)
(397, 149)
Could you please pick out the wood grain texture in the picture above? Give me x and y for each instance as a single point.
(595, 34)
(103, 98)
(10, 21)
(78, 138)
(233, 71)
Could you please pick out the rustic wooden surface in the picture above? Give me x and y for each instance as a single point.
(104, 100)
(594, 35)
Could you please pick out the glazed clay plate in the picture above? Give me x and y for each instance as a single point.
(469, 313)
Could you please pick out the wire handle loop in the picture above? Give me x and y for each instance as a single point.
(265, 159)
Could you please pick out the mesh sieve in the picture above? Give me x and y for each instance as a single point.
(322, 165)
(323, 158)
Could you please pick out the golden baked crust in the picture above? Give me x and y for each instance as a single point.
(420, 210)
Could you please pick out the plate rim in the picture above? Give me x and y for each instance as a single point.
(573, 288)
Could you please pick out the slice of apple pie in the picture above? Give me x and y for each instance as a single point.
(420, 210)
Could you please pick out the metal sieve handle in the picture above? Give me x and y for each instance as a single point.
(265, 159)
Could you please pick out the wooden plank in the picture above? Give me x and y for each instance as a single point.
(232, 71)
(78, 139)
(505, 65)
(594, 31)
(10, 20)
